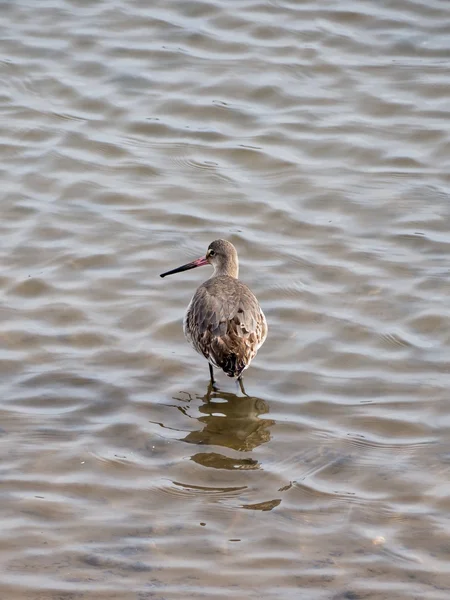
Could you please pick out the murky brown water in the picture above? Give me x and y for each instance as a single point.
(314, 136)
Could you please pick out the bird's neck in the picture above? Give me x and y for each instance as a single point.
(229, 268)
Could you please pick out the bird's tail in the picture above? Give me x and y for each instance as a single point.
(233, 365)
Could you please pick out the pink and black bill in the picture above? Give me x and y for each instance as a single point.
(196, 263)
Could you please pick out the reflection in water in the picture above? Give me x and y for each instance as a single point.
(265, 506)
(233, 422)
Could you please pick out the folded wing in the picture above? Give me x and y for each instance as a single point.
(225, 323)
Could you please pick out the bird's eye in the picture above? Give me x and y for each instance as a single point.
(212, 253)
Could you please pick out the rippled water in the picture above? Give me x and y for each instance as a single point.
(315, 137)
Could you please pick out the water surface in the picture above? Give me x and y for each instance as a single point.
(315, 137)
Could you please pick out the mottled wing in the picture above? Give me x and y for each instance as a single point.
(225, 323)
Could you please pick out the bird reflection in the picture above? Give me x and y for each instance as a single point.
(233, 422)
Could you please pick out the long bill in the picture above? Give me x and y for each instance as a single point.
(196, 263)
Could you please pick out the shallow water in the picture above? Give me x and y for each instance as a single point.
(315, 137)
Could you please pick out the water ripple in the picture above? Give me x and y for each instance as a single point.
(315, 138)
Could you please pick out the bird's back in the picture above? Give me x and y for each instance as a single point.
(225, 323)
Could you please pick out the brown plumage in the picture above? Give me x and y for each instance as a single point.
(224, 321)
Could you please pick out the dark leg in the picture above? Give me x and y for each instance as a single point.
(240, 381)
(211, 373)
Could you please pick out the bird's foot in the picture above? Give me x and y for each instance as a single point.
(212, 389)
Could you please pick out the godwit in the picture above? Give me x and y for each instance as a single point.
(224, 321)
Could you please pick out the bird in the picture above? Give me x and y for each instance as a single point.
(224, 321)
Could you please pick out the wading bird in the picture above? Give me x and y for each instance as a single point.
(223, 321)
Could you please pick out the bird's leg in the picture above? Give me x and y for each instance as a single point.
(240, 382)
(211, 373)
